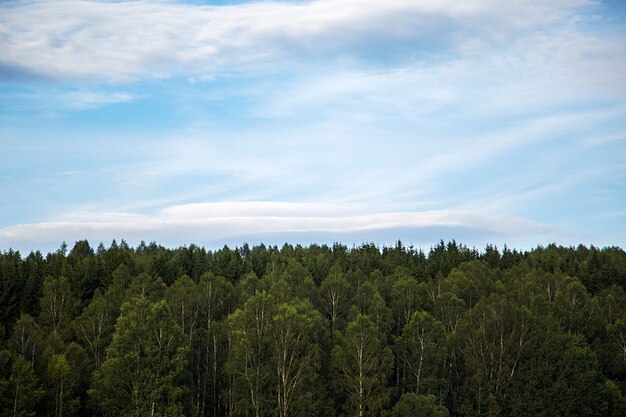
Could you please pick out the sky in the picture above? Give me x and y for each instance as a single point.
(321, 121)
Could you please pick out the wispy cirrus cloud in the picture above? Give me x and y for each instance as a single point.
(86, 99)
(25, 100)
(125, 40)
(385, 112)
(68, 173)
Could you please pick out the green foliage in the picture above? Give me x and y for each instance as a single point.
(145, 285)
(297, 330)
(561, 366)
(414, 405)
(407, 297)
(57, 306)
(58, 373)
(249, 362)
(184, 300)
(423, 346)
(144, 360)
(291, 331)
(94, 326)
(9, 289)
(334, 297)
(616, 401)
(369, 302)
(362, 363)
(20, 391)
(493, 341)
(28, 338)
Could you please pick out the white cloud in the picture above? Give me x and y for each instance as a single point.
(535, 74)
(67, 173)
(256, 209)
(212, 222)
(61, 100)
(85, 99)
(121, 41)
(606, 139)
(409, 170)
(479, 83)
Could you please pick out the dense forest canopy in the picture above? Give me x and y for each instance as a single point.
(313, 331)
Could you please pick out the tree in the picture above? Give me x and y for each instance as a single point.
(369, 302)
(121, 277)
(216, 296)
(406, 299)
(493, 341)
(57, 305)
(414, 405)
(362, 364)
(20, 392)
(449, 309)
(424, 351)
(538, 333)
(297, 329)
(58, 371)
(147, 286)
(616, 400)
(249, 359)
(299, 280)
(140, 374)
(560, 377)
(574, 306)
(95, 326)
(11, 282)
(461, 285)
(183, 299)
(334, 296)
(249, 284)
(28, 339)
(77, 381)
(617, 331)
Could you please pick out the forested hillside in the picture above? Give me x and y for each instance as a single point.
(313, 331)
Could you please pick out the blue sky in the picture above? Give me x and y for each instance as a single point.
(215, 122)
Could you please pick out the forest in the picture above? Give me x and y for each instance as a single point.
(319, 330)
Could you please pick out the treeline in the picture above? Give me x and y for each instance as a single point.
(313, 331)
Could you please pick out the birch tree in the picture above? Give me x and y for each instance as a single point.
(362, 363)
(250, 353)
(94, 327)
(215, 298)
(296, 332)
(143, 364)
(334, 292)
(423, 347)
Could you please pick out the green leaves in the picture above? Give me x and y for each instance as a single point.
(424, 347)
(413, 405)
(145, 358)
(297, 330)
(57, 305)
(20, 391)
(249, 356)
(362, 363)
(476, 334)
(95, 326)
(275, 356)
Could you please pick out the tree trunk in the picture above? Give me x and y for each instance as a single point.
(17, 390)
(215, 402)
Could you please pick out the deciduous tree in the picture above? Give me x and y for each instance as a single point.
(362, 363)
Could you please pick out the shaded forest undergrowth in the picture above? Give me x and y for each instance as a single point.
(313, 331)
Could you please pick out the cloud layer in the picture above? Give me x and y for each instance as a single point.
(365, 119)
(211, 223)
(125, 40)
